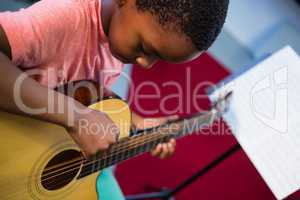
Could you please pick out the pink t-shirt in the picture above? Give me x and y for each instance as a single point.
(61, 41)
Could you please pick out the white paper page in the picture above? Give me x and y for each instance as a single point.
(265, 118)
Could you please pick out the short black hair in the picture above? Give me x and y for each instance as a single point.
(199, 20)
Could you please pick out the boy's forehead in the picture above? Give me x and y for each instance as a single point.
(173, 48)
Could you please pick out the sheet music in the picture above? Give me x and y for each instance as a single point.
(265, 118)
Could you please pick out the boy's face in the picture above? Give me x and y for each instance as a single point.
(137, 37)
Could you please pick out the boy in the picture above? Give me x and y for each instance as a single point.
(92, 39)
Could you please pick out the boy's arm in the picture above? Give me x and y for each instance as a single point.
(34, 95)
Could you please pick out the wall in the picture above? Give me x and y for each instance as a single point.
(248, 19)
(255, 28)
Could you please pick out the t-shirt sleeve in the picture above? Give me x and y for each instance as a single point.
(35, 33)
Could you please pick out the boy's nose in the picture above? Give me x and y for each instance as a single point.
(146, 62)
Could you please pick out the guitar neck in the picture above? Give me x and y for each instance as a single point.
(145, 141)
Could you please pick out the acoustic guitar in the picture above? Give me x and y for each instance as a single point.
(39, 160)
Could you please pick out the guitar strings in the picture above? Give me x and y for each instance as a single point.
(95, 161)
(109, 156)
(151, 136)
(116, 147)
(143, 138)
(116, 150)
(123, 144)
(136, 153)
(64, 172)
(121, 147)
(115, 158)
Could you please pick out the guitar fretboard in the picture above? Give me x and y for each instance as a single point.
(145, 141)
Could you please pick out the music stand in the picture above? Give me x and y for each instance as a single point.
(168, 194)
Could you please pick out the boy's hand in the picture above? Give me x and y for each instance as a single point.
(163, 150)
(93, 132)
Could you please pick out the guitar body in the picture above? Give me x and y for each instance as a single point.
(28, 146)
(40, 161)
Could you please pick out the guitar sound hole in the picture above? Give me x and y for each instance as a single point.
(61, 170)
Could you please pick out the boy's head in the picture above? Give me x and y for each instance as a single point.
(144, 31)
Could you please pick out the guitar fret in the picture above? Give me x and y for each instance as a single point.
(124, 155)
(145, 142)
(134, 152)
(96, 165)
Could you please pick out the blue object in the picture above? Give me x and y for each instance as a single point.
(107, 186)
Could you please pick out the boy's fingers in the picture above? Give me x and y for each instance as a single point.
(172, 142)
(165, 149)
(171, 149)
(157, 150)
(164, 152)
